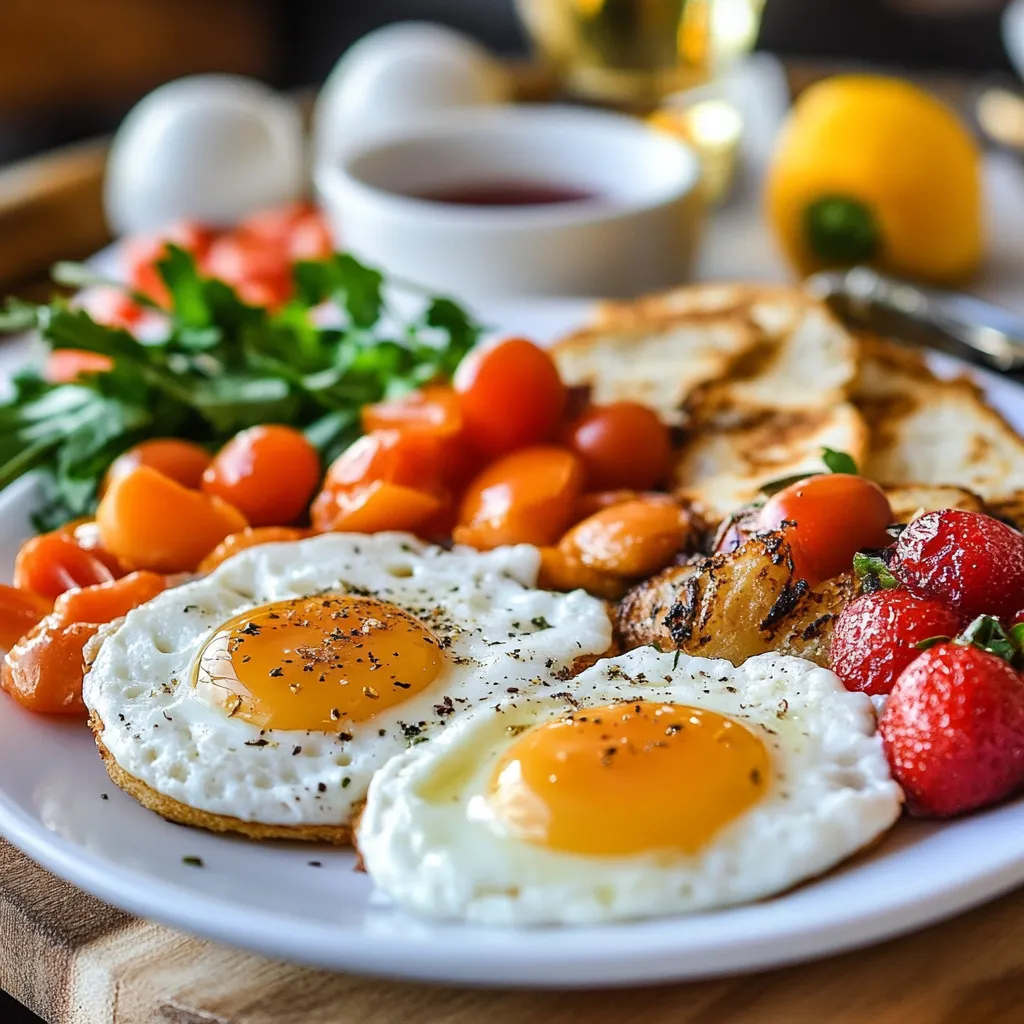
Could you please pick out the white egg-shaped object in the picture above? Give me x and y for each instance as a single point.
(209, 147)
(394, 75)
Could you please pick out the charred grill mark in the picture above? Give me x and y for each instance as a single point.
(784, 604)
(814, 629)
(681, 616)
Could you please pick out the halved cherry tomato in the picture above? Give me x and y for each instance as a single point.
(408, 457)
(66, 365)
(374, 507)
(561, 571)
(110, 306)
(623, 444)
(268, 473)
(20, 610)
(86, 534)
(595, 501)
(52, 563)
(511, 396)
(433, 410)
(636, 538)
(143, 252)
(248, 538)
(827, 519)
(149, 521)
(181, 461)
(43, 671)
(527, 497)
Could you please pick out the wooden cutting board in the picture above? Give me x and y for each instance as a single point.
(74, 960)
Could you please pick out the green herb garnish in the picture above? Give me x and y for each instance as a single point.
(220, 366)
(839, 462)
(872, 571)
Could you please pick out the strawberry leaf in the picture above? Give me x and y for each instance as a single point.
(987, 633)
(873, 573)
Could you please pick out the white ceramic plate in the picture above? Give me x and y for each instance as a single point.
(57, 805)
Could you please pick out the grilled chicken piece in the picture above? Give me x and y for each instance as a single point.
(736, 605)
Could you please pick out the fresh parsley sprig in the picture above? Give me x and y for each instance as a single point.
(220, 366)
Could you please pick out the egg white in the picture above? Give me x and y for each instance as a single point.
(426, 845)
(503, 633)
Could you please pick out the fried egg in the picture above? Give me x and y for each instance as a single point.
(651, 784)
(263, 697)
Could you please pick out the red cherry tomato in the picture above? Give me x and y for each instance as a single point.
(182, 461)
(511, 396)
(268, 473)
(622, 445)
(257, 267)
(52, 563)
(827, 519)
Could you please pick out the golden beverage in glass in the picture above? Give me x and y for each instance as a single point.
(630, 52)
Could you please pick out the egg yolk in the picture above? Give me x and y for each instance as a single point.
(316, 663)
(628, 779)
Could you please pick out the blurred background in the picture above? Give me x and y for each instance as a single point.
(70, 70)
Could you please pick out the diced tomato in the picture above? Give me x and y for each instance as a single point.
(110, 307)
(20, 610)
(43, 671)
(52, 563)
(310, 238)
(258, 267)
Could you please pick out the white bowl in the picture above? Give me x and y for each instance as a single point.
(637, 235)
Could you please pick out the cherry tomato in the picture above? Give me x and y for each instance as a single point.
(527, 497)
(511, 396)
(52, 563)
(43, 671)
(67, 364)
(86, 534)
(143, 252)
(298, 230)
(560, 570)
(181, 461)
(827, 519)
(148, 521)
(622, 445)
(268, 473)
(310, 238)
(412, 465)
(374, 507)
(20, 610)
(636, 538)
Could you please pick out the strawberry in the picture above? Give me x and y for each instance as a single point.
(875, 635)
(970, 562)
(953, 727)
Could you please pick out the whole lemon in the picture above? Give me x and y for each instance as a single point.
(869, 169)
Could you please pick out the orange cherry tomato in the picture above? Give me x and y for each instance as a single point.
(43, 671)
(433, 410)
(181, 461)
(66, 365)
(622, 445)
(595, 501)
(528, 497)
(20, 610)
(827, 519)
(511, 396)
(560, 570)
(268, 473)
(148, 521)
(86, 534)
(374, 507)
(143, 252)
(411, 458)
(636, 538)
(52, 563)
(248, 538)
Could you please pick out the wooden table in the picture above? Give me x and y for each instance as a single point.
(74, 960)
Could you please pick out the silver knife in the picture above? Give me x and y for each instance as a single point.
(960, 324)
